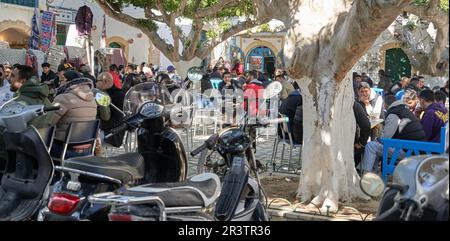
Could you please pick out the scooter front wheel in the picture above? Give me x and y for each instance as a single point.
(260, 213)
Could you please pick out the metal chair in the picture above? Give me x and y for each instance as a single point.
(80, 133)
(286, 140)
(47, 135)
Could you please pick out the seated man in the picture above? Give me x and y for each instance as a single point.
(399, 86)
(400, 123)
(228, 85)
(28, 91)
(287, 87)
(362, 131)
(435, 116)
(441, 98)
(370, 100)
(78, 104)
(292, 108)
(105, 82)
(411, 100)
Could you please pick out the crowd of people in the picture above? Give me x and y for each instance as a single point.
(409, 110)
(74, 91)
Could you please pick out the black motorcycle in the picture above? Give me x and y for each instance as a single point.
(241, 194)
(161, 157)
(418, 192)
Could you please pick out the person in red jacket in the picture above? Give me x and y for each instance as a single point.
(253, 92)
(114, 71)
(238, 68)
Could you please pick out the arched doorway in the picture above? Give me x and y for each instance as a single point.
(115, 45)
(16, 38)
(397, 64)
(261, 58)
(118, 42)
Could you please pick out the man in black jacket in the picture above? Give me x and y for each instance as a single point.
(105, 83)
(131, 77)
(293, 109)
(362, 130)
(47, 74)
(400, 123)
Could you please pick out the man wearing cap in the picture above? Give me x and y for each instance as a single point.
(77, 102)
(61, 69)
(173, 76)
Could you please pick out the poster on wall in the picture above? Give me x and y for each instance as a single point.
(255, 62)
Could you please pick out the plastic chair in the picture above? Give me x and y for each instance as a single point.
(379, 91)
(286, 139)
(205, 114)
(411, 147)
(215, 83)
(400, 94)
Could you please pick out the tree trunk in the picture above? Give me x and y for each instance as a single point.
(328, 172)
(183, 66)
(324, 41)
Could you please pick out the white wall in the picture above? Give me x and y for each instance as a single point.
(15, 12)
(138, 50)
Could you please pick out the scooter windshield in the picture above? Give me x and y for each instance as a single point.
(141, 94)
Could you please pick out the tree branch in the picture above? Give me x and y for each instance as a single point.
(159, 43)
(170, 21)
(194, 39)
(433, 13)
(359, 29)
(149, 14)
(181, 9)
(212, 10)
(206, 48)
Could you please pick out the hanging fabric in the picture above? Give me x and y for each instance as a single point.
(84, 20)
(103, 36)
(34, 39)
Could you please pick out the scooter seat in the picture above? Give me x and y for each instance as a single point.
(126, 167)
(201, 190)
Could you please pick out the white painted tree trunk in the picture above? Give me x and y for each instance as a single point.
(328, 171)
(183, 66)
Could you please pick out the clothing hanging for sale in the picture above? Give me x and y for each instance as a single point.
(84, 20)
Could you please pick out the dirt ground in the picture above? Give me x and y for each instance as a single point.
(279, 189)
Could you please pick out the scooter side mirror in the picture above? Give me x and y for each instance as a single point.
(102, 99)
(272, 90)
(195, 74)
(372, 185)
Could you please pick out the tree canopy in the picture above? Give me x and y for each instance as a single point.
(199, 11)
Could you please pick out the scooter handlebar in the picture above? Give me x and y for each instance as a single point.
(51, 108)
(199, 149)
(117, 130)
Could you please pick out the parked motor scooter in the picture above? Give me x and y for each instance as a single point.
(29, 167)
(419, 190)
(241, 195)
(161, 157)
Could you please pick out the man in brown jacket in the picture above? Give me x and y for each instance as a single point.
(77, 103)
